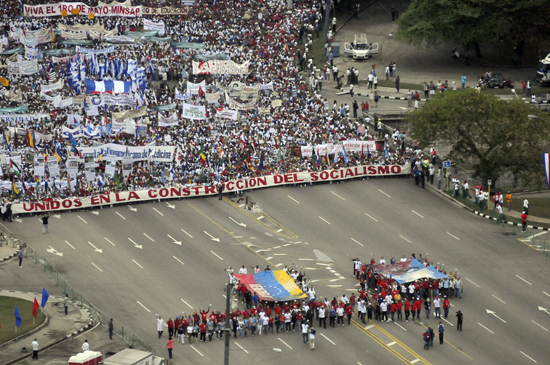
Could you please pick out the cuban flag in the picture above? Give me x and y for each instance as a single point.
(344, 154)
(107, 86)
(132, 69)
(546, 160)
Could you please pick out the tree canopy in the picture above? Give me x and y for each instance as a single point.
(469, 22)
(495, 136)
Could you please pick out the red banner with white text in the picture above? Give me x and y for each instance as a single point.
(235, 185)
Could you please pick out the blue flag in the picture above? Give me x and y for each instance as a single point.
(344, 155)
(45, 297)
(385, 150)
(17, 317)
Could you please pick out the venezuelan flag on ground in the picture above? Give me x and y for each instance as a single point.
(272, 285)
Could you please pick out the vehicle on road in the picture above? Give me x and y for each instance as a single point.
(544, 68)
(361, 49)
(498, 80)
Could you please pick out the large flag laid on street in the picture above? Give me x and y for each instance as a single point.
(410, 270)
(272, 285)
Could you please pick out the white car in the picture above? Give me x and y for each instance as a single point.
(361, 49)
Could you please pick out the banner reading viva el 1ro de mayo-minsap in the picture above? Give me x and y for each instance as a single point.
(113, 9)
(202, 190)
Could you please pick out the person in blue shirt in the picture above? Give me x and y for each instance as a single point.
(255, 299)
(441, 330)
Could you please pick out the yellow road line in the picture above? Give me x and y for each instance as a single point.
(405, 347)
(382, 343)
(285, 232)
(447, 342)
(229, 233)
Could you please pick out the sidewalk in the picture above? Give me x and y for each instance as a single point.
(56, 328)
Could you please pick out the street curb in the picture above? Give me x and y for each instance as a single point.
(67, 337)
(9, 257)
(442, 194)
(380, 96)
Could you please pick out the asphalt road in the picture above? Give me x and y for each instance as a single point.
(170, 257)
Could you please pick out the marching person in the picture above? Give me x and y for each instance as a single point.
(441, 330)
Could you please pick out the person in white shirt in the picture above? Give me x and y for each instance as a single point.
(305, 330)
(362, 308)
(85, 346)
(526, 206)
(384, 310)
(382, 261)
(322, 318)
(340, 315)
(411, 290)
(160, 325)
(242, 270)
(437, 306)
(403, 259)
(35, 350)
(344, 299)
(311, 293)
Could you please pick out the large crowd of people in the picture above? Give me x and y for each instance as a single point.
(282, 112)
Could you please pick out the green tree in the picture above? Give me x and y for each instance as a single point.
(468, 22)
(495, 136)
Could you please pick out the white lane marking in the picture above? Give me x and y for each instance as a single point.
(543, 291)
(158, 212)
(415, 361)
(452, 325)
(418, 214)
(276, 247)
(473, 283)
(405, 239)
(535, 235)
(95, 248)
(296, 201)
(502, 301)
(335, 286)
(181, 262)
(242, 348)
(135, 244)
(324, 220)
(527, 356)
(519, 277)
(224, 296)
(186, 303)
(391, 343)
(212, 237)
(337, 195)
(109, 241)
(82, 219)
(384, 193)
(260, 217)
(186, 233)
(371, 217)
(120, 215)
(313, 268)
(145, 234)
(319, 263)
(400, 326)
(280, 254)
(285, 343)
(453, 236)
(369, 327)
(269, 258)
(268, 234)
(328, 339)
(70, 245)
(144, 307)
(94, 212)
(485, 327)
(539, 325)
(197, 351)
(354, 240)
(288, 244)
(333, 280)
(215, 254)
(279, 264)
(135, 262)
(97, 267)
(305, 259)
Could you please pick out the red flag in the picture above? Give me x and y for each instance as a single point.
(55, 112)
(201, 93)
(35, 307)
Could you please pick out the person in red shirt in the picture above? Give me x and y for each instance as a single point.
(399, 305)
(278, 310)
(413, 310)
(245, 314)
(523, 221)
(170, 324)
(202, 329)
(407, 310)
(204, 315)
(349, 313)
(446, 305)
(393, 308)
(418, 308)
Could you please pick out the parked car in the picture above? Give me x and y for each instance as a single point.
(498, 80)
